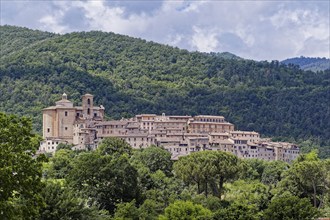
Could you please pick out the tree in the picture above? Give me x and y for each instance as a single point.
(127, 210)
(164, 189)
(252, 193)
(185, 210)
(225, 168)
(20, 169)
(252, 169)
(272, 173)
(307, 178)
(61, 163)
(213, 203)
(155, 158)
(150, 210)
(189, 170)
(114, 146)
(63, 203)
(289, 207)
(108, 180)
(207, 168)
(237, 211)
(62, 146)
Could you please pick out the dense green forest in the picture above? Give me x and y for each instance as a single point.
(132, 76)
(117, 182)
(309, 63)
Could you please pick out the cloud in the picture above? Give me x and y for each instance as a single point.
(315, 47)
(251, 29)
(204, 40)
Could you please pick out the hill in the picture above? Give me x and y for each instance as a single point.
(309, 63)
(132, 76)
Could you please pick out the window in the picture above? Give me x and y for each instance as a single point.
(48, 130)
(66, 113)
(66, 128)
(88, 101)
(88, 111)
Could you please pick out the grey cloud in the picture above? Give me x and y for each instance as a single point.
(75, 19)
(136, 7)
(316, 47)
(251, 29)
(23, 13)
(231, 42)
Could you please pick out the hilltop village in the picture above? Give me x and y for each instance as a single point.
(84, 127)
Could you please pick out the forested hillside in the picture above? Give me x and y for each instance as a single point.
(132, 76)
(309, 63)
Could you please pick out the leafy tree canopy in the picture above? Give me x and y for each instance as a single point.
(185, 210)
(20, 169)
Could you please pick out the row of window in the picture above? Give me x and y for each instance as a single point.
(210, 119)
(52, 142)
(207, 126)
(244, 135)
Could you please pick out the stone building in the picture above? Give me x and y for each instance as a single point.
(65, 123)
(84, 127)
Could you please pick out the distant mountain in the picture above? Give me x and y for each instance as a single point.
(309, 63)
(132, 76)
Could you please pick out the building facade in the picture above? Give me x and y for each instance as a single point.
(84, 127)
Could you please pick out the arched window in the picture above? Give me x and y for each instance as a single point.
(88, 101)
(88, 111)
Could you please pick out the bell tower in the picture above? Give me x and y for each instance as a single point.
(87, 105)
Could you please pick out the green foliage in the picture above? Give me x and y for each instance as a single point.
(272, 173)
(164, 189)
(289, 207)
(63, 146)
(155, 158)
(113, 146)
(211, 202)
(106, 179)
(252, 169)
(307, 179)
(127, 211)
(130, 76)
(253, 194)
(150, 210)
(64, 203)
(207, 169)
(20, 169)
(237, 211)
(185, 210)
(14, 38)
(61, 164)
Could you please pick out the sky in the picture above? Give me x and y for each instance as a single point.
(259, 30)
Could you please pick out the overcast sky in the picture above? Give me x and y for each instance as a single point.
(260, 30)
